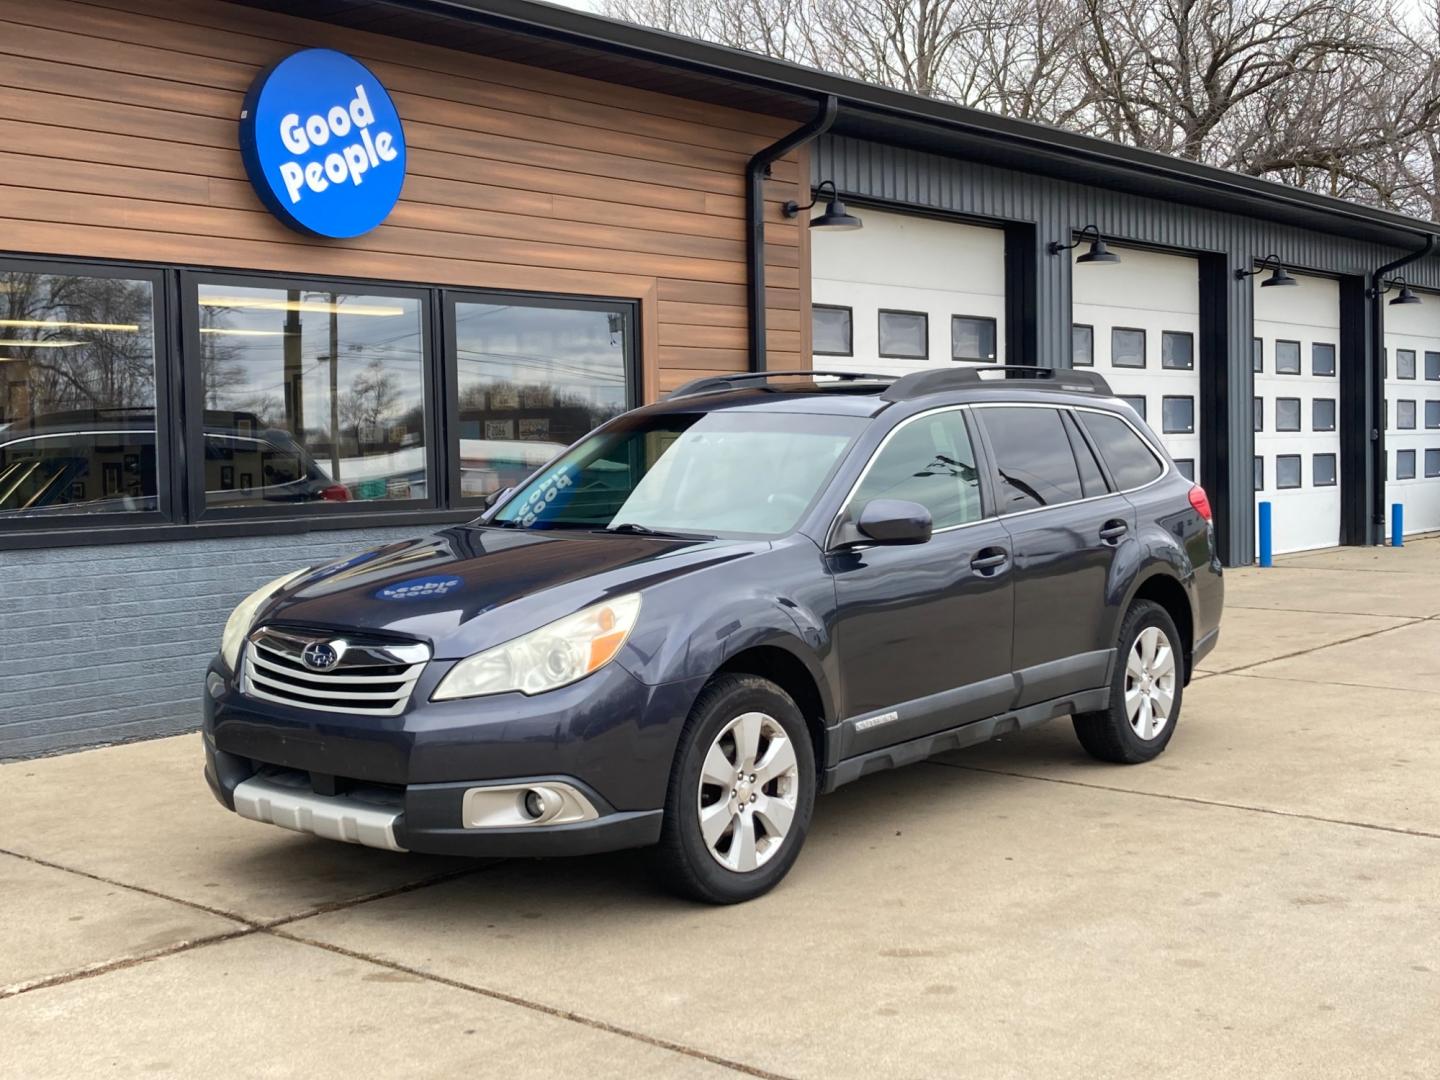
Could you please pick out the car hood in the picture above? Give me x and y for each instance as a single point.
(469, 587)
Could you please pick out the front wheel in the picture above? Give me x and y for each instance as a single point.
(741, 793)
(1145, 691)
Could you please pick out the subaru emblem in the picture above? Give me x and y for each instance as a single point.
(320, 655)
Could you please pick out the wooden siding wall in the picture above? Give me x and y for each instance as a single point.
(118, 140)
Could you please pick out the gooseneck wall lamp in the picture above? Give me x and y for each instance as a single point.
(1278, 274)
(1404, 296)
(835, 216)
(1098, 252)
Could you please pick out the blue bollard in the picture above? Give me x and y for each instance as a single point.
(1267, 554)
(1397, 524)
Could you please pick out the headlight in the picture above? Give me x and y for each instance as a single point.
(554, 655)
(241, 619)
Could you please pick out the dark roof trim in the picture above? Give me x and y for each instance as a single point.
(905, 110)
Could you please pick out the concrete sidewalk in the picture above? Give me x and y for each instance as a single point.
(1262, 901)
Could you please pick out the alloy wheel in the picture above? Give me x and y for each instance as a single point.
(749, 789)
(1150, 682)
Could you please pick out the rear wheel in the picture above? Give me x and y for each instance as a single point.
(1145, 691)
(741, 793)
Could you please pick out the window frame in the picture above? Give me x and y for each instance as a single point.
(1299, 415)
(1144, 348)
(1425, 463)
(168, 496)
(849, 327)
(1257, 409)
(1334, 413)
(1429, 354)
(199, 513)
(879, 334)
(1414, 465)
(1334, 480)
(1334, 360)
(1414, 424)
(994, 336)
(1429, 402)
(1259, 472)
(446, 301)
(1257, 355)
(1187, 335)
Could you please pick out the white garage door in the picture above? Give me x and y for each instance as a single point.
(906, 293)
(1412, 412)
(1137, 322)
(1297, 398)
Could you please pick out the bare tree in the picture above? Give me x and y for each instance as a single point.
(1331, 95)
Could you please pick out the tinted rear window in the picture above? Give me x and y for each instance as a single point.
(1033, 457)
(1131, 461)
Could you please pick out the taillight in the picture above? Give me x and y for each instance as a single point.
(1201, 502)
(335, 493)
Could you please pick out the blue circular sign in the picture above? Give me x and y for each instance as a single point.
(323, 144)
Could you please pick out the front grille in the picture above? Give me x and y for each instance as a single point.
(372, 676)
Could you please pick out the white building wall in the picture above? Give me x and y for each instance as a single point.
(1156, 294)
(1412, 337)
(1308, 515)
(906, 262)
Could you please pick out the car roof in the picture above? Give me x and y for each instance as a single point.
(867, 395)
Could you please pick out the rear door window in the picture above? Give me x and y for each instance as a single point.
(1033, 458)
(1132, 463)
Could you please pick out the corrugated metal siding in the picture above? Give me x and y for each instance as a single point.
(925, 181)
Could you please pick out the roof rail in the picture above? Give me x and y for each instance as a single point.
(934, 381)
(711, 384)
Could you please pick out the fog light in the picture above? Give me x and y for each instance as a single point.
(214, 685)
(534, 804)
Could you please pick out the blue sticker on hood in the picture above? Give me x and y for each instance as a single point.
(419, 588)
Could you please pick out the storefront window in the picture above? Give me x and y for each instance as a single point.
(77, 394)
(532, 377)
(311, 395)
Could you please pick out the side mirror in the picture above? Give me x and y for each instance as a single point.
(894, 521)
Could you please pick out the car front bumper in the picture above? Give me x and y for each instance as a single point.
(401, 782)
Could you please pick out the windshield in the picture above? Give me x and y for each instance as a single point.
(717, 473)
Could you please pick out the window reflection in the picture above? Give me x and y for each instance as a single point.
(532, 379)
(311, 396)
(77, 394)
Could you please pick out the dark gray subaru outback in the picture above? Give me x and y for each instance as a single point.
(711, 609)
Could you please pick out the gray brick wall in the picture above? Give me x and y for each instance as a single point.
(110, 643)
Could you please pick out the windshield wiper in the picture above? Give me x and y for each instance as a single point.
(634, 528)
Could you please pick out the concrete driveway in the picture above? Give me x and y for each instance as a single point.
(1263, 901)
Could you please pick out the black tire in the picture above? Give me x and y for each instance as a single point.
(1109, 734)
(683, 857)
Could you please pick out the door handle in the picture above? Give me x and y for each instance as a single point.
(1113, 530)
(989, 561)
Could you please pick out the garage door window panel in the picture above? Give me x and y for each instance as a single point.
(1405, 465)
(1127, 347)
(1177, 415)
(1177, 350)
(904, 335)
(1432, 366)
(1432, 414)
(83, 414)
(1404, 363)
(1259, 474)
(1432, 463)
(1287, 358)
(1322, 470)
(1259, 411)
(1136, 402)
(1287, 414)
(1322, 414)
(1082, 345)
(1322, 359)
(972, 338)
(1404, 415)
(1257, 354)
